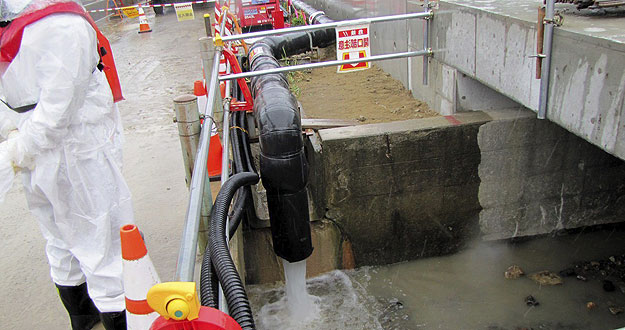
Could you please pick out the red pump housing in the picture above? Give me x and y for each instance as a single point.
(259, 14)
(209, 319)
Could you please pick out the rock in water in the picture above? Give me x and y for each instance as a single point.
(546, 277)
(531, 301)
(513, 272)
(567, 272)
(615, 310)
(608, 286)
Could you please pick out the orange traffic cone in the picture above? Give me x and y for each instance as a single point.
(215, 148)
(139, 276)
(143, 21)
(215, 151)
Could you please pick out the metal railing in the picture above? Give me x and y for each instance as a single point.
(315, 27)
(188, 247)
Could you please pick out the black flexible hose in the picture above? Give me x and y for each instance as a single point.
(208, 277)
(208, 282)
(238, 303)
(246, 145)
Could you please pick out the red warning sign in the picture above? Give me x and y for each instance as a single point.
(352, 42)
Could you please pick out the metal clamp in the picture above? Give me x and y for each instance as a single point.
(312, 17)
(218, 41)
(557, 20)
(537, 56)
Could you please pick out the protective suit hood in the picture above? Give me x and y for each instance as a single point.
(11, 9)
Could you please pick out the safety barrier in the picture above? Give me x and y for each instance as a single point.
(146, 4)
(211, 50)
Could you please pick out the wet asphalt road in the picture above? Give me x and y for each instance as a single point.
(154, 68)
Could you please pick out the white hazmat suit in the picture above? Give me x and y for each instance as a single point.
(69, 149)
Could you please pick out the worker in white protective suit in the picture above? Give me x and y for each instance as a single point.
(63, 132)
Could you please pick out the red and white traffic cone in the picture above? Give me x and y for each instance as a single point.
(215, 148)
(139, 276)
(143, 21)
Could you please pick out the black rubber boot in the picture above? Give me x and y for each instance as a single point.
(114, 320)
(82, 312)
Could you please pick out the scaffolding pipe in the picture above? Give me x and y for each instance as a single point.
(315, 27)
(324, 64)
(199, 181)
(546, 65)
(225, 168)
(426, 41)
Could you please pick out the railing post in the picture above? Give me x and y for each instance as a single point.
(189, 128)
(426, 41)
(199, 188)
(546, 64)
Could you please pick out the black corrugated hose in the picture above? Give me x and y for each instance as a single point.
(238, 303)
(242, 163)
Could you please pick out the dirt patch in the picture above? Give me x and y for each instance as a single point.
(370, 96)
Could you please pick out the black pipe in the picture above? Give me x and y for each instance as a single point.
(236, 298)
(283, 164)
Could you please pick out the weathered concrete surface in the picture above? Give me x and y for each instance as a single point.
(404, 190)
(537, 178)
(263, 266)
(418, 188)
(491, 42)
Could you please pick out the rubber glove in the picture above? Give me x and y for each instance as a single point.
(18, 159)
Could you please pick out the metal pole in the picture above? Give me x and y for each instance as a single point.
(315, 27)
(324, 64)
(207, 50)
(224, 19)
(189, 128)
(188, 244)
(426, 41)
(188, 121)
(546, 65)
(225, 168)
(207, 25)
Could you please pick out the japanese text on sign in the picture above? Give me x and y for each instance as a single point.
(130, 12)
(352, 42)
(184, 11)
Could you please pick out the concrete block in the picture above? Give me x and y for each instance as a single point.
(588, 90)
(473, 95)
(542, 178)
(495, 194)
(501, 222)
(415, 196)
(263, 266)
(454, 38)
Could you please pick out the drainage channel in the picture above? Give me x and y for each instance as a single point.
(469, 290)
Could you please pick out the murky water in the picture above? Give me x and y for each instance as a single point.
(465, 291)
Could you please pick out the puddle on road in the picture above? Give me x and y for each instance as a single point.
(468, 290)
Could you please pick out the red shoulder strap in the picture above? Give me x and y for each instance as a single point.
(11, 39)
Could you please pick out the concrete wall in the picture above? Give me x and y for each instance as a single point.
(418, 188)
(485, 47)
(404, 190)
(425, 187)
(537, 178)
